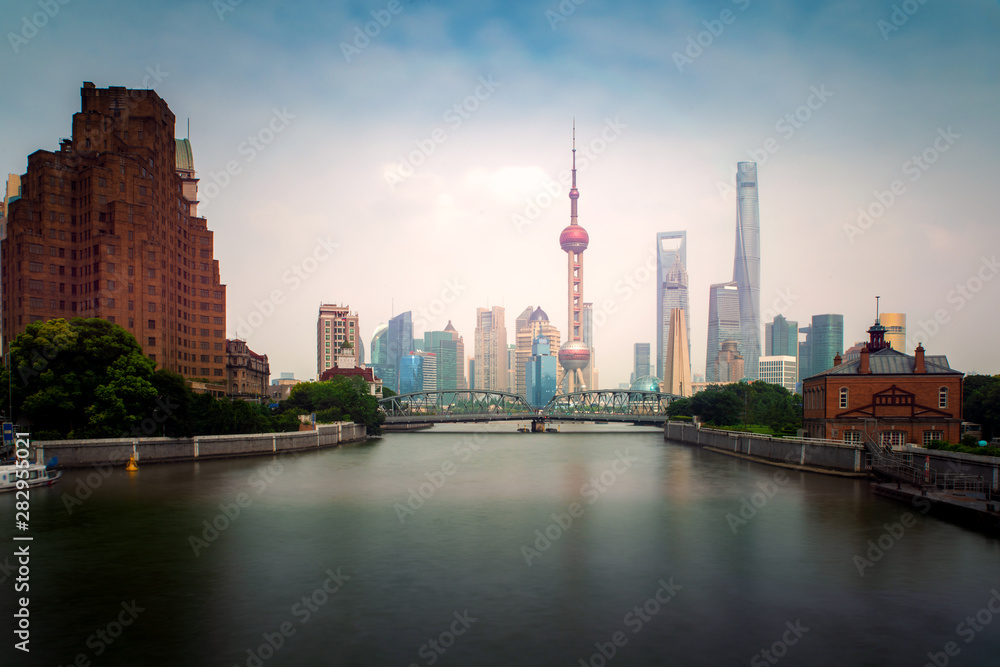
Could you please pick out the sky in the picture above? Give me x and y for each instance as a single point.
(412, 155)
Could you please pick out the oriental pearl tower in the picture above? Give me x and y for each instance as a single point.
(574, 355)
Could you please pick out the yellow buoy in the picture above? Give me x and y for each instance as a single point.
(132, 465)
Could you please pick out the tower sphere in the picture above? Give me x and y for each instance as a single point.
(574, 239)
(574, 355)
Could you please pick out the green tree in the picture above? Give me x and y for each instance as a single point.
(82, 378)
(982, 402)
(339, 399)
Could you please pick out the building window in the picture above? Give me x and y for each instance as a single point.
(892, 438)
(843, 398)
(931, 436)
(853, 437)
(151, 341)
(943, 397)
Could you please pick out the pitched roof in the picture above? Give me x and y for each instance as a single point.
(888, 361)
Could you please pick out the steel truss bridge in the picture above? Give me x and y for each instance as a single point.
(603, 406)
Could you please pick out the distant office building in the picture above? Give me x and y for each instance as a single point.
(779, 369)
(746, 271)
(511, 367)
(723, 325)
(781, 339)
(472, 373)
(730, 365)
(640, 361)
(895, 330)
(677, 363)
(411, 373)
(460, 382)
(521, 333)
(540, 372)
(671, 289)
(337, 333)
(247, 373)
(536, 325)
(281, 388)
(824, 341)
(444, 347)
(107, 227)
(491, 349)
(392, 346)
(429, 372)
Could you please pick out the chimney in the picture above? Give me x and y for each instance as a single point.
(918, 359)
(864, 368)
(837, 360)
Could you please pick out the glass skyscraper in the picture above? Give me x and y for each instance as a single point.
(746, 270)
(540, 373)
(723, 325)
(824, 341)
(781, 339)
(392, 347)
(640, 361)
(444, 346)
(671, 289)
(411, 374)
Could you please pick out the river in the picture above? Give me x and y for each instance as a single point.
(477, 545)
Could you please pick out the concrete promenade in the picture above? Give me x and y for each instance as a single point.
(117, 451)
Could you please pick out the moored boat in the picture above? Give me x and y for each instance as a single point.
(38, 475)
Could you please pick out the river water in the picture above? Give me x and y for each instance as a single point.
(482, 546)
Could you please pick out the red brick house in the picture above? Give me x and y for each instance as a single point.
(894, 397)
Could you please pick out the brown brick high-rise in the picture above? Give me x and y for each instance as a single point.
(107, 227)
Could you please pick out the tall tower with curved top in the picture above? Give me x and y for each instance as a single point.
(746, 270)
(574, 355)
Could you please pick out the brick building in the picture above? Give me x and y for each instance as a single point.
(893, 397)
(247, 373)
(107, 227)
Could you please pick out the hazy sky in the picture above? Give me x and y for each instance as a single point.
(408, 169)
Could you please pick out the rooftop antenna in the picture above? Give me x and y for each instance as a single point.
(189, 128)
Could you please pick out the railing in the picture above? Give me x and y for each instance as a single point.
(899, 467)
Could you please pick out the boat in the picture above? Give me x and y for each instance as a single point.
(38, 475)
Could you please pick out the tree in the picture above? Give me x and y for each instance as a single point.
(82, 378)
(982, 402)
(339, 399)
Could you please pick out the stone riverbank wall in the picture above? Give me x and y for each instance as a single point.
(117, 451)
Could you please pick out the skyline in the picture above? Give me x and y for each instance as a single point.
(838, 113)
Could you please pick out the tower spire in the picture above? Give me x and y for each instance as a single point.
(574, 194)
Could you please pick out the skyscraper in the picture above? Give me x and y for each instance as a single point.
(781, 339)
(536, 325)
(746, 270)
(444, 347)
(540, 372)
(396, 344)
(677, 363)
(895, 330)
(671, 290)
(640, 367)
(411, 373)
(574, 355)
(108, 227)
(491, 349)
(460, 382)
(337, 333)
(723, 325)
(521, 327)
(824, 341)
